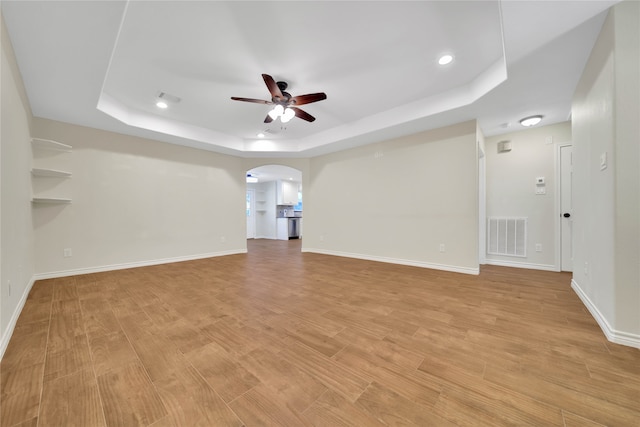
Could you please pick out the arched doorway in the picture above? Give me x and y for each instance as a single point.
(274, 203)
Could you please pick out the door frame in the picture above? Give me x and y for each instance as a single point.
(252, 210)
(482, 206)
(558, 205)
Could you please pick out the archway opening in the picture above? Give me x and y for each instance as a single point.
(274, 203)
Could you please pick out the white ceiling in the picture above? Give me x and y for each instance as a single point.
(102, 64)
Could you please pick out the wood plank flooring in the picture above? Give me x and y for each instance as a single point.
(277, 337)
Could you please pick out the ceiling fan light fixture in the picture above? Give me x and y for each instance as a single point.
(282, 100)
(287, 115)
(531, 120)
(276, 112)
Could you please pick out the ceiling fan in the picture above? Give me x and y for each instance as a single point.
(285, 104)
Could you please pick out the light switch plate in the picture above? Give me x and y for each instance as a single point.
(541, 190)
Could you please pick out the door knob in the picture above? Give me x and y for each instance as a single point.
(566, 215)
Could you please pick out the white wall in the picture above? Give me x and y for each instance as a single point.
(511, 190)
(16, 235)
(398, 200)
(627, 166)
(138, 202)
(605, 113)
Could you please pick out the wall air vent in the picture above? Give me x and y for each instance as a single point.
(504, 146)
(507, 236)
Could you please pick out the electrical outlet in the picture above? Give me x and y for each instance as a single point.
(9, 286)
(441, 247)
(322, 237)
(538, 247)
(586, 268)
(67, 252)
(223, 239)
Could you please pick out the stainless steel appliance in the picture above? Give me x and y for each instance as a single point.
(294, 228)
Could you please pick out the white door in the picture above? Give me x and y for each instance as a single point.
(251, 214)
(566, 222)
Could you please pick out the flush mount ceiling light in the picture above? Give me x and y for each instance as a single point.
(445, 59)
(531, 120)
(162, 104)
(260, 135)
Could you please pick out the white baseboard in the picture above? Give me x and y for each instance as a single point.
(517, 264)
(112, 267)
(618, 337)
(452, 268)
(8, 332)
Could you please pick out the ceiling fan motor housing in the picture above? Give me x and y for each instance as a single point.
(286, 96)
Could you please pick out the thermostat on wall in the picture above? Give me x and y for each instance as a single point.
(540, 180)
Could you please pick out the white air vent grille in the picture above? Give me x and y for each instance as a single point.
(507, 236)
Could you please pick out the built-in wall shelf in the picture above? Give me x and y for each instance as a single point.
(50, 200)
(40, 175)
(50, 173)
(48, 144)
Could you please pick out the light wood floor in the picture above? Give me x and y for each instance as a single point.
(280, 338)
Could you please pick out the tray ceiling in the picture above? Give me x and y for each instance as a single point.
(103, 64)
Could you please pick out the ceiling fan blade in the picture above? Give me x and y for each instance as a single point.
(268, 119)
(308, 99)
(273, 87)
(257, 101)
(303, 114)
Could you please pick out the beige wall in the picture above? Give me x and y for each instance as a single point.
(398, 200)
(17, 237)
(138, 202)
(607, 202)
(511, 190)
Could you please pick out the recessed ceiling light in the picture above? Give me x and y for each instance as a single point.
(531, 120)
(445, 59)
(164, 99)
(260, 135)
